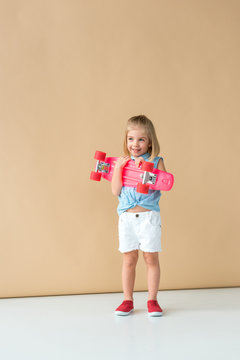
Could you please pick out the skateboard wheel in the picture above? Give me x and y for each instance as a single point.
(147, 166)
(142, 188)
(95, 176)
(99, 155)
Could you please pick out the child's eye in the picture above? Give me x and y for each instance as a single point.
(141, 139)
(130, 139)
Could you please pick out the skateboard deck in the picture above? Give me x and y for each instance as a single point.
(144, 178)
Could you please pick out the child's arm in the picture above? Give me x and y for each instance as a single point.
(161, 165)
(117, 175)
(138, 161)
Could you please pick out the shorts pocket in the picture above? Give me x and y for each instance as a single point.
(123, 218)
(155, 219)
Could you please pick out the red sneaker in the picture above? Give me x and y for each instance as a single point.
(153, 308)
(125, 308)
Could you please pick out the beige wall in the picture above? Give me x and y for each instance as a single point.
(71, 74)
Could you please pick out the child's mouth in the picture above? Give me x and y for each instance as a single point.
(136, 150)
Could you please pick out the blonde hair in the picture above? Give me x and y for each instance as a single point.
(143, 122)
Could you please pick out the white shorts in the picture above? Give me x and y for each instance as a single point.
(140, 231)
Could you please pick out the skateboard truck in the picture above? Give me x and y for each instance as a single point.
(102, 167)
(148, 178)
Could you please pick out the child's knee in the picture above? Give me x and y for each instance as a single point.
(151, 258)
(131, 258)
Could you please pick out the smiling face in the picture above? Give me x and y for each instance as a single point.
(137, 141)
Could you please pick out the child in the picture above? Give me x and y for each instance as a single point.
(139, 215)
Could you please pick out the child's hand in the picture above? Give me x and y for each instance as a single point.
(121, 161)
(139, 161)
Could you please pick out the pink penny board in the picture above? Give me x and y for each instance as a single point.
(131, 175)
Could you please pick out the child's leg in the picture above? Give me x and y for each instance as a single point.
(153, 274)
(128, 273)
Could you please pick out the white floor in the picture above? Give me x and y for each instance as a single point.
(197, 324)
